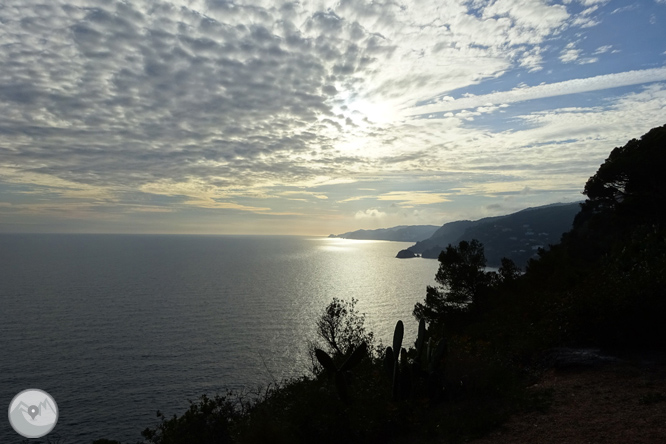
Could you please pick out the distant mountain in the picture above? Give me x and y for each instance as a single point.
(517, 236)
(401, 233)
(446, 234)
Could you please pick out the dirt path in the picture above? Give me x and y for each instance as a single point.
(622, 402)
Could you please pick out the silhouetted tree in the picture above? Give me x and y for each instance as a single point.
(632, 180)
(508, 271)
(462, 278)
(340, 330)
(626, 192)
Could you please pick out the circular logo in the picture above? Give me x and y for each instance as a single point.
(33, 413)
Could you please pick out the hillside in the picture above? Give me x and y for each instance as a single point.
(517, 236)
(401, 233)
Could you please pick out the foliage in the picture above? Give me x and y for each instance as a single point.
(341, 374)
(475, 394)
(462, 280)
(631, 181)
(508, 272)
(207, 421)
(461, 271)
(340, 330)
(609, 272)
(624, 194)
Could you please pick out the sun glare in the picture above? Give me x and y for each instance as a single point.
(374, 112)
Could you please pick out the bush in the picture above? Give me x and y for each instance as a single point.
(340, 330)
(207, 421)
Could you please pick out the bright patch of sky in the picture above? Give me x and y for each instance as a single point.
(314, 117)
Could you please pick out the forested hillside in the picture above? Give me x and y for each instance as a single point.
(517, 236)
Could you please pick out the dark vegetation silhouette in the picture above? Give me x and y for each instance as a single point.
(481, 335)
(339, 330)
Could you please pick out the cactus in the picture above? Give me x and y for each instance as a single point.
(422, 338)
(392, 367)
(428, 354)
(389, 359)
(340, 373)
(425, 364)
(397, 365)
(435, 355)
(398, 334)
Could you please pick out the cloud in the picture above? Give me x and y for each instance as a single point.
(627, 8)
(268, 108)
(304, 193)
(355, 198)
(593, 2)
(532, 59)
(537, 15)
(135, 93)
(200, 195)
(603, 49)
(127, 95)
(570, 53)
(371, 213)
(573, 86)
(412, 198)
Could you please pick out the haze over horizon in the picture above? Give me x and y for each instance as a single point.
(314, 117)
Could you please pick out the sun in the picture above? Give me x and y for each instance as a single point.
(371, 111)
(364, 109)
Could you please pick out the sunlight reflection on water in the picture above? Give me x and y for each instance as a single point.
(132, 324)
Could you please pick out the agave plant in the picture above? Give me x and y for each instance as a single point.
(340, 374)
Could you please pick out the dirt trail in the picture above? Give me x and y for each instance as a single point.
(622, 402)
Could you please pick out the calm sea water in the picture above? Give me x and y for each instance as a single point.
(116, 327)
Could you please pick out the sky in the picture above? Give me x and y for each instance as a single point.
(314, 117)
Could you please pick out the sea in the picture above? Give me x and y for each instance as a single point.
(117, 327)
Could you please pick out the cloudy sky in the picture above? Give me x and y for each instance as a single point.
(314, 117)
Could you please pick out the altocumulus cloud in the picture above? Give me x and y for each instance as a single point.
(257, 106)
(109, 93)
(112, 92)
